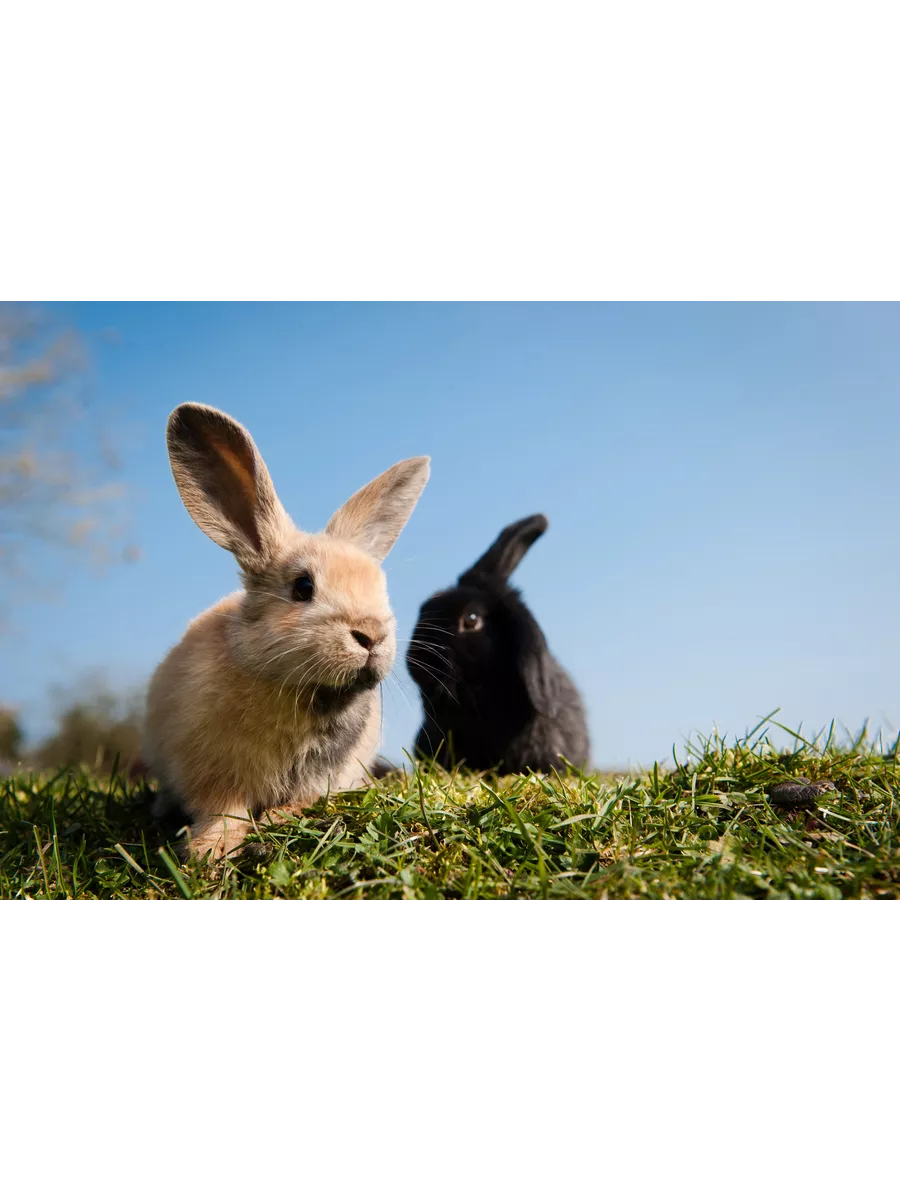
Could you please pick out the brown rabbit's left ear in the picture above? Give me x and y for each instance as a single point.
(224, 483)
(374, 516)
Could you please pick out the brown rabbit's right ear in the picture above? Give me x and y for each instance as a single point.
(374, 516)
(224, 483)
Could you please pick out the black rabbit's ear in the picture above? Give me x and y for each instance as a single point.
(501, 559)
(538, 684)
(532, 660)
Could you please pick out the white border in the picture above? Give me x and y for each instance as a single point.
(490, 150)
(703, 1049)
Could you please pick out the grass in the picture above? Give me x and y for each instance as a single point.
(704, 830)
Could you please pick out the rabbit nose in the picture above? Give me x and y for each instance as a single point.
(368, 632)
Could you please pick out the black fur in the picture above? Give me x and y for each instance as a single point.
(328, 700)
(494, 698)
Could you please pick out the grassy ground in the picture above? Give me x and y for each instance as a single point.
(706, 830)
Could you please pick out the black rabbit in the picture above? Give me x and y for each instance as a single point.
(493, 694)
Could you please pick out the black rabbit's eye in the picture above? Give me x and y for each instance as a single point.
(470, 623)
(303, 587)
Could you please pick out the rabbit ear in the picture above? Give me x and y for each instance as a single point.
(374, 516)
(224, 483)
(538, 684)
(501, 559)
(532, 660)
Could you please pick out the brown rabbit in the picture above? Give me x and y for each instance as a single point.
(270, 699)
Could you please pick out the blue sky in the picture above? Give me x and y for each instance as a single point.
(721, 483)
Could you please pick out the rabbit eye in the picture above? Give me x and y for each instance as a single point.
(303, 587)
(470, 623)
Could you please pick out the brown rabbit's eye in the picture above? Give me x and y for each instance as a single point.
(303, 587)
(470, 623)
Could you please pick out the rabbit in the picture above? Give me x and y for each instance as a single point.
(493, 694)
(270, 699)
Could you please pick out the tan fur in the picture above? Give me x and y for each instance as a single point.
(200, 698)
(232, 727)
(393, 495)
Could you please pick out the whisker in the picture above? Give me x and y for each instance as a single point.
(308, 673)
(416, 662)
(272, 595)
(285, 680)
(298, 690)
(432, 650)
(415, 641)
(403, 689)
(274, 659)
(438, 681)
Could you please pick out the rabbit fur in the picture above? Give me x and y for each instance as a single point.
(270, 699)
(494, 696)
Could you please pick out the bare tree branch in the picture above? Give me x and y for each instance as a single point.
(57, 458)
